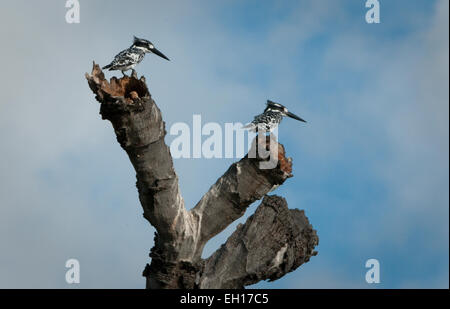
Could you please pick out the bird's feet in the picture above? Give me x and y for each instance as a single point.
(124, 75)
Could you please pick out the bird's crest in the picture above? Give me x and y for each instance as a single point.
(141, 42)
(274, 105)
(138, 40)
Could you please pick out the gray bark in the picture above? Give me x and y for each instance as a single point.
(273, 242)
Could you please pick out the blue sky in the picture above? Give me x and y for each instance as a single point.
(370, 167)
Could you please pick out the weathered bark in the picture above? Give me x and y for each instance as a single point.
(275, 240)
(240, 186)
(282, 241)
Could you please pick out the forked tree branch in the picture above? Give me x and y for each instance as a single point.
(244, 183)
(270, 244)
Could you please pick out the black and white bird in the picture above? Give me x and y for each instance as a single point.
(271, 118)
(130, 57)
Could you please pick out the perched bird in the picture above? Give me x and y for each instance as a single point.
(130, 57)
(271, 118)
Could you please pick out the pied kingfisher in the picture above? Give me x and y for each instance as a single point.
(130, 57)
(271, 118)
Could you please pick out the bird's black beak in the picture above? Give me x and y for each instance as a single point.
(295, 116)
(157, 52)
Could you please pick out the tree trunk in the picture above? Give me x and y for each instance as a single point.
(272, 242)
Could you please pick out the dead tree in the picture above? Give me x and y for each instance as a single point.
(275, 240)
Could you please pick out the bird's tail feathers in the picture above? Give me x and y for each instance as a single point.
(107, 66)
(250, 126)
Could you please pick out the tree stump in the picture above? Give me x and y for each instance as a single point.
(275, 240)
